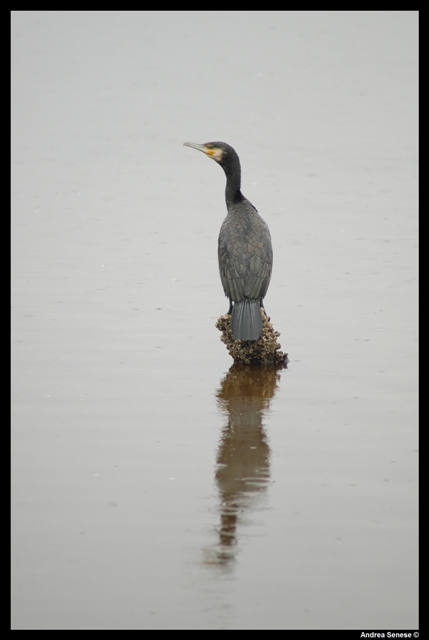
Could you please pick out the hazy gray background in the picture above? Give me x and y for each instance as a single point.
(135, 457)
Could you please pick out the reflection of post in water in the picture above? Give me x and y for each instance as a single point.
(243, 459)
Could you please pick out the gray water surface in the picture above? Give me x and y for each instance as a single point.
(154, 486)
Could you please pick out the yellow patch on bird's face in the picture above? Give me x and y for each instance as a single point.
(215, 153)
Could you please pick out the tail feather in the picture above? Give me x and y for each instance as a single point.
(246, 320)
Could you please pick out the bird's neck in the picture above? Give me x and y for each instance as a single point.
(233, 197)
(233, 184)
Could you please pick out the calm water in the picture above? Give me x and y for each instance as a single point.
(155, 486)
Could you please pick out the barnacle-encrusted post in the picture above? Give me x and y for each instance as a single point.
(265, 350)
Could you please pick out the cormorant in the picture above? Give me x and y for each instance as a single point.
(244, 251)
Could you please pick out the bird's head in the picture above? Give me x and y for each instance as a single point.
(219, 151)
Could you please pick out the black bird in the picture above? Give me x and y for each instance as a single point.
(245, 252)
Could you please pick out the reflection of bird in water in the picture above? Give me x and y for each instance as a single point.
(243, 458)
(245, 253)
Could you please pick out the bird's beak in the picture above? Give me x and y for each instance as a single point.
(199, 147)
